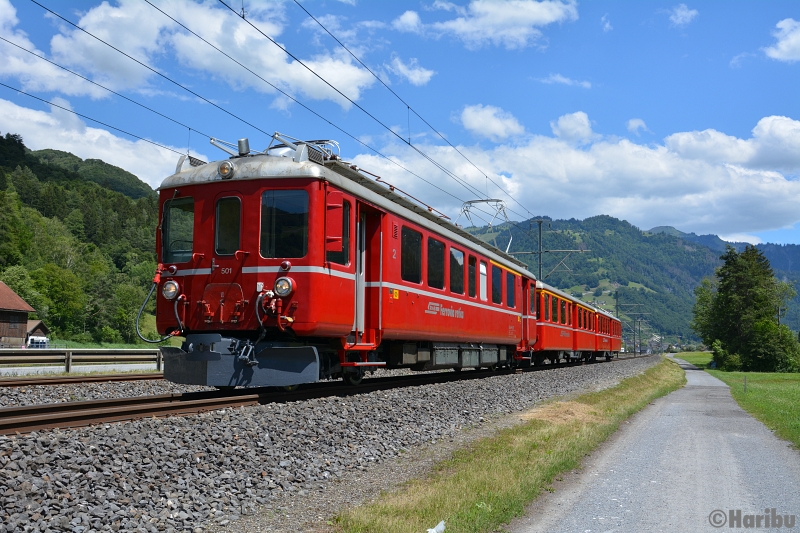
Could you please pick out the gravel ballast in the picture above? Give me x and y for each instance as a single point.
(216, 469)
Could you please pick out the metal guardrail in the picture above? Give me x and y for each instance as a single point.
(70, 356)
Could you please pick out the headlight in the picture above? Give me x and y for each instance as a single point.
(170, 290)
(225, 170)
(284, 287)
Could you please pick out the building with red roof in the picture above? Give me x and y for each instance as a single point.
(13, 318)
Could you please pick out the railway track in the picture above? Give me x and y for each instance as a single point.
(26, 419)
(69, 380)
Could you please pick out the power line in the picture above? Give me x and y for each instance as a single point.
(462, 182)
(90, 118)
(408, 106)
(295, 100)
(223, 109)
(153, 70)
(104, 87)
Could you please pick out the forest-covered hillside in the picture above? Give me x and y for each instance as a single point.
(79, 252)
(652, 272)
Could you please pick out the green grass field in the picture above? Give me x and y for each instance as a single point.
(490, 482)
(698, 359)
(772, 398)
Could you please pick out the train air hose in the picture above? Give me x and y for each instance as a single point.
(156, 279)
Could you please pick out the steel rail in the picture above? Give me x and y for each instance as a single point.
(69, 380)
(25, 419)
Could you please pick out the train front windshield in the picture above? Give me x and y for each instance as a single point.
(178, 231)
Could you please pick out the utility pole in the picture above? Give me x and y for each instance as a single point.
(540, 254)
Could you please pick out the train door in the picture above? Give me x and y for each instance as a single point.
(366, 319)
(223, 297)
(529, 311)
(361, 256)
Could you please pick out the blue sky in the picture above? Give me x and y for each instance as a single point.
(681, 114)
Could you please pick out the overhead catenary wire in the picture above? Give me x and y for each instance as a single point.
(462, 182)
(106, 88)
(229, 112)
(411, 109)
(298, 102)
(148, 67)
(90, 118)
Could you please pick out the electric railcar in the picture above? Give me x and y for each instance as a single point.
(290, 265)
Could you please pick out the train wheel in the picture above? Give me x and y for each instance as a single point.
(290, 388)
(353, 378)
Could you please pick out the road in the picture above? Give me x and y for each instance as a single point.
(687, 455)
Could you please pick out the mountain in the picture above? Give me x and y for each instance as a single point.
(97, 171)
(710, 241)
(653, 273)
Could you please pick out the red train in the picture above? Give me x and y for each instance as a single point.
(289, 266)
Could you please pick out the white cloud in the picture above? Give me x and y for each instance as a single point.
(606, 23)
(636, 124)
(558, 78)
(144, 33)
(513, 24)
(646, 184)
(65, 131)
(681, 15)
(788, 46)
(409, 22)
(490, 122)
(34, 74)
(775, 145)
(741, 237)
(411, 71)
(574, 127)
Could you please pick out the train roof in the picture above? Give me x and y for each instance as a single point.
(347, 177)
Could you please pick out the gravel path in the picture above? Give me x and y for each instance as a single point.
(688, 459)
(236, 469)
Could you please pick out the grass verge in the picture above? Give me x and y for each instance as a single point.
(491, 481)
(772, 398)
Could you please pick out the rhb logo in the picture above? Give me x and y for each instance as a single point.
(438, 309)
(433, 308)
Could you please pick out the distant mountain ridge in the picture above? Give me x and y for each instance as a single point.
(709, 241)
(97, 171)
(782, 257)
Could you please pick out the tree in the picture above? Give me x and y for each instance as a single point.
(738, 314)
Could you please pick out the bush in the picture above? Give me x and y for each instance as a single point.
(724, 360)
(108, 335)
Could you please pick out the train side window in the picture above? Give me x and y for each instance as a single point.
(178, 232)
(511, 288)
(435, 264)
(533, 296)
(342, 257)
(580, 318)
(497, 285)
(411, 255)
(229, 221)
(284, 224)
(554, 309)
(547, 307)
(472, 273)
(483, 274)
(563, 311)
(457, 271)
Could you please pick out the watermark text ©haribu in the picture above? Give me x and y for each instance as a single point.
(734, 518)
